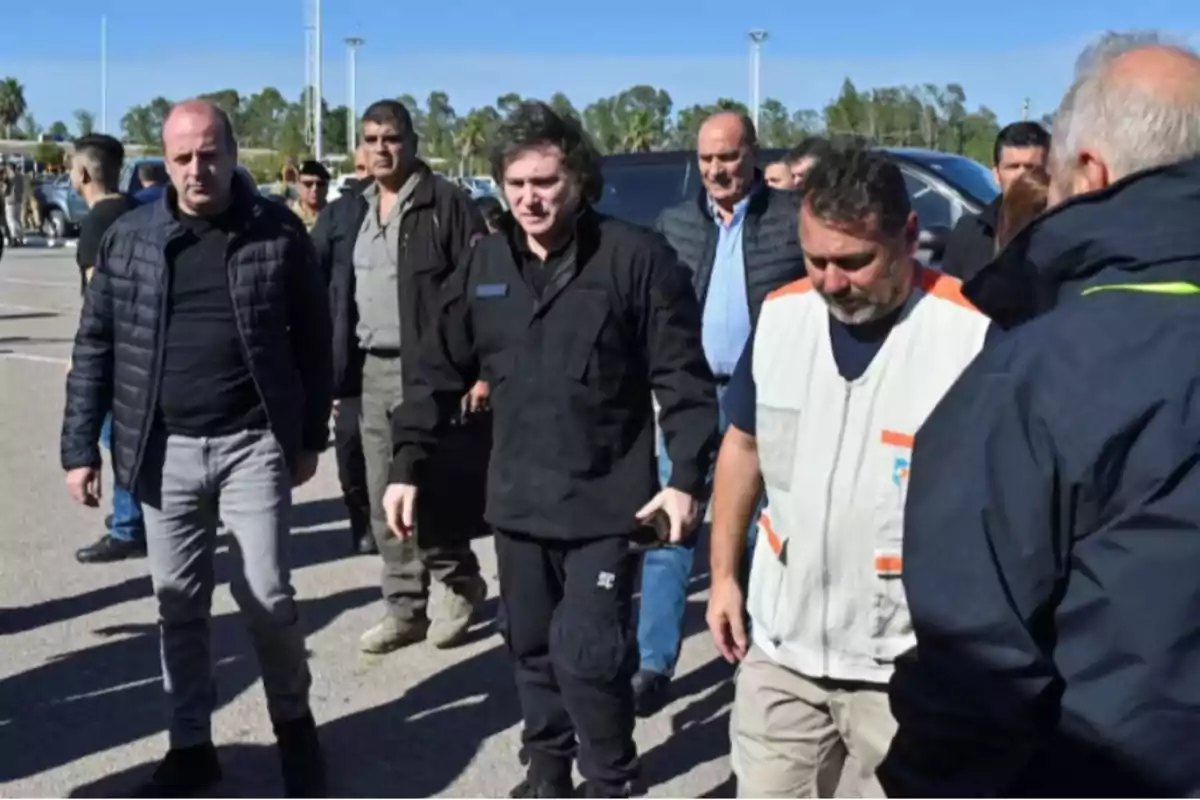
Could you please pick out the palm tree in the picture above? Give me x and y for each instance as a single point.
(12, 104)
(85, 122)
(470, 139)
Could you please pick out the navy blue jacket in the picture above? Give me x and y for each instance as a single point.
(282, 312)
(1052, 530)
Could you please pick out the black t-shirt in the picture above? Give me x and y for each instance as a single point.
(207, 388)
(99, 219)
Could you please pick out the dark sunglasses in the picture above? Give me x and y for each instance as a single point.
(312, 184)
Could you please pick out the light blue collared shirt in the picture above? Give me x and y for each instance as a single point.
(726, 323)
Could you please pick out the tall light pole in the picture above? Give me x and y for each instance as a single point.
(103, 74)
(757, 37)
(318, 133)
(352, 45)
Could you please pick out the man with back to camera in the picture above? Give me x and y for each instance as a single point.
(1055, 500)
(1019, 148)
(206, 329)
(95, 168)
(387, 251)
(843, 368)
(576, 320)
(739, 240)
(152, 176)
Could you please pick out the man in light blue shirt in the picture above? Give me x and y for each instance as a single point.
(739, 240)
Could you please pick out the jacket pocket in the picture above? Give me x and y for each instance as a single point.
(891, 625)
(776, 428)
(587, 312)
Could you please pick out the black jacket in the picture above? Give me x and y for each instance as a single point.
(1052, 529)
(770, 242)
(282, 313)
(972, 243)
(435, 237)
(571, 376)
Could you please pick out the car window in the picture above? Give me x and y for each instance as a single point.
(639, 192)
(933, 208)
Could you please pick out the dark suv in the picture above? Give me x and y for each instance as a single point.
(943, 187)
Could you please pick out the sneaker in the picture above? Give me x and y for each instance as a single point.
(392, 633)
(185, 772)
(300, 758)
(108, 549)
(452, 617)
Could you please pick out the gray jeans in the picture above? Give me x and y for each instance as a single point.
(188, 484)
(406, 565)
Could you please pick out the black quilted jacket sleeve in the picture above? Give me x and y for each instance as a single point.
(90, 379)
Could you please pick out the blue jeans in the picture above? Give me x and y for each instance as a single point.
(666, 572)
(127, 523)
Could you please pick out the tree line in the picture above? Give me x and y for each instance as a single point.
(638, 119)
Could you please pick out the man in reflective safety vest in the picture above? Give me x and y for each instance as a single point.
(842, 370)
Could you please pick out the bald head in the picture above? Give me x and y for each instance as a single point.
(1134, 106)
(725, 147)
(201, 157)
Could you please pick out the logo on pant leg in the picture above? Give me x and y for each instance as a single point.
(606, 580)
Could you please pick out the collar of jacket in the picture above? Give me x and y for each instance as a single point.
(423, 192)
(989, 215)
(760, 198)
(244, 204)
(1141, 229)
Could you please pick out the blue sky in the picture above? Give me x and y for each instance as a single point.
(999, 50)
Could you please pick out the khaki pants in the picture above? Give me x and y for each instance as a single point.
(793, 735)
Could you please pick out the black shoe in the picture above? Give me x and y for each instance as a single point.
(651, 692)
(593, 789)
(300, 758)
(537, 787)
(107, 549)
(185, 772)
(363, 543)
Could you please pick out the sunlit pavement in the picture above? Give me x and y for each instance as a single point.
(81, 709)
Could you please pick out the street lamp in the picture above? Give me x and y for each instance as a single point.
(352, 45)
(319, 106)
(103, 74)
(757, 37)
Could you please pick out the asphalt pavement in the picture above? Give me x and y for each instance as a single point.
(81, 706)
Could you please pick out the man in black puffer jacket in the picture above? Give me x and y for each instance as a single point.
(739, 239)
(205, 328)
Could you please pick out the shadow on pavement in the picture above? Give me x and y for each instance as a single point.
(61, 609)
(415, 746)
(109, 695)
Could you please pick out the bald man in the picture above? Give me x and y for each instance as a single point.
(1051, 534)
(219, 381)
(739, 240)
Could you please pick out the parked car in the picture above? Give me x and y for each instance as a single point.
(942, 186)
(62, 208)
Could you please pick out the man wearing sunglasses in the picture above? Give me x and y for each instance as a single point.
(314, 191)
(387, 252)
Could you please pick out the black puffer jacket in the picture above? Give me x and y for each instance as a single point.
(771, 242)
(282, 313)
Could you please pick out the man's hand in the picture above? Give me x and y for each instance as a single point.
(83, 484)
(305, 468)
(400, 506)
(725, 620)
(681, 509)
(476, 400)
(337, 404)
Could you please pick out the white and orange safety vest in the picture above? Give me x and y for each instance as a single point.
(825, 594)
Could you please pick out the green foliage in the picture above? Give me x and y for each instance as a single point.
(640, 118)
(49, 154)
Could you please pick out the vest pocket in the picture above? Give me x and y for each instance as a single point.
(775, 434)
(891, 625)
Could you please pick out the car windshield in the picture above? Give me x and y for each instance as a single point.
(967, 175)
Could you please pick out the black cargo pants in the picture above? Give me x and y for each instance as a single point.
(570, 629)
(352, 465)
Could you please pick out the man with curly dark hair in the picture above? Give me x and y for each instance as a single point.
(575, 320)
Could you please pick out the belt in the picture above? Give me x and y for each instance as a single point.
(383, 352)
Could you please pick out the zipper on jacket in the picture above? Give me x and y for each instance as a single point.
(837, 453)
(160, 357)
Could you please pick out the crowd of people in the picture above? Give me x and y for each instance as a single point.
(952, 511)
